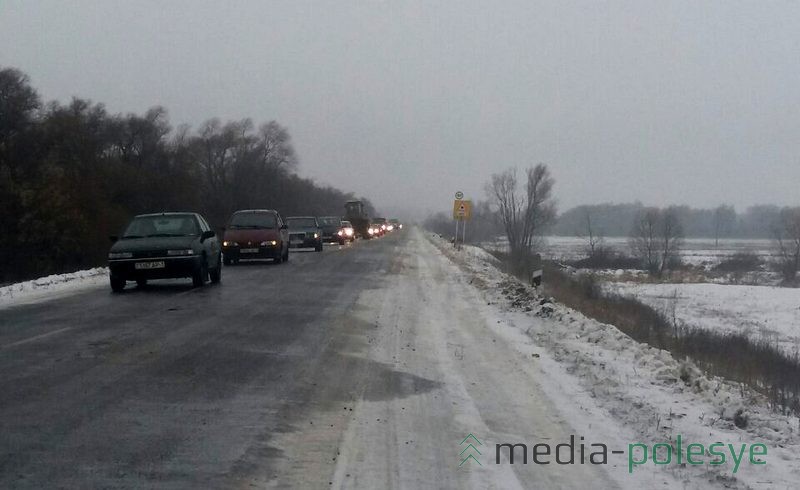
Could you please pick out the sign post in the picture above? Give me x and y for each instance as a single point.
(459, 196)
(455, 237)
(462, 211)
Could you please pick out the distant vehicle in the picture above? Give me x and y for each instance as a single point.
(255, 234)
(331, 227)
(347, 231)
(355, 214)
(304, 231)
(165, 245)
(394, 224)
(376, 230)
(381, 222)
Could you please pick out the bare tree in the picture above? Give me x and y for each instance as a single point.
(671, 236)
(276, 148)
(787, 238)
(724, 218)
(525, 215)
(592, 236)
(656, 238)
(540, 208)
(644, 238)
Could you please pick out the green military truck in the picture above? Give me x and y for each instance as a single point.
(355, 214)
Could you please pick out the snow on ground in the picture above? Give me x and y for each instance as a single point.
(50, 287)
(760, 312)
(695, 251)
(602, 374)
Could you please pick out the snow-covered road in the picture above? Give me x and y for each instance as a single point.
(458, 368)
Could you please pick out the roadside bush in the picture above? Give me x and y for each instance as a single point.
(607, 259)
(674, 263)
(518, 264)
(787, 271)
(740, 262)
(639, 321)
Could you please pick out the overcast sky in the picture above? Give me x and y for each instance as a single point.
(406, 102)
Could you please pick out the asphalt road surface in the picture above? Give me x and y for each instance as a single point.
(360, 367)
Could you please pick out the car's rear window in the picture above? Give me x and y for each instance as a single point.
(301, 222)
(329, 221)
(145, 226)
(253, 220)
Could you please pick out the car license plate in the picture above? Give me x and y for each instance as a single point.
(296, 242)
(159, 264)
(248, 251)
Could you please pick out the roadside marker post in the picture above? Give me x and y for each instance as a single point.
(536, 273)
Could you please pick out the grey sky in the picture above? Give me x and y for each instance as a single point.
(405, 102)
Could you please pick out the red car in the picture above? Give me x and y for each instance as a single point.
(255, 234)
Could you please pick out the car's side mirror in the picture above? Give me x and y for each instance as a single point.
(284, 226)
(207, 234)
(113, 238)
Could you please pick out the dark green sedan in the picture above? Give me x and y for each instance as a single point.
(165, 245)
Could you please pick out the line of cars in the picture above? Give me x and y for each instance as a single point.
(177, 245)
(381, 226)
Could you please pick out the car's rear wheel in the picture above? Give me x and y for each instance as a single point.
(216, 274)
(319, 247)
(117, 284)
(141, 283)
(200, 274)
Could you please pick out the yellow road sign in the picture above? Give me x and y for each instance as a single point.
(462, 209)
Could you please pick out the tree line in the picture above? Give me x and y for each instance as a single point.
(72, 174)
(723, 221)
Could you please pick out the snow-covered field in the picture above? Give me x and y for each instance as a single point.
(760, 312)
(695, 251)
(602, 376)
(49, 287)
